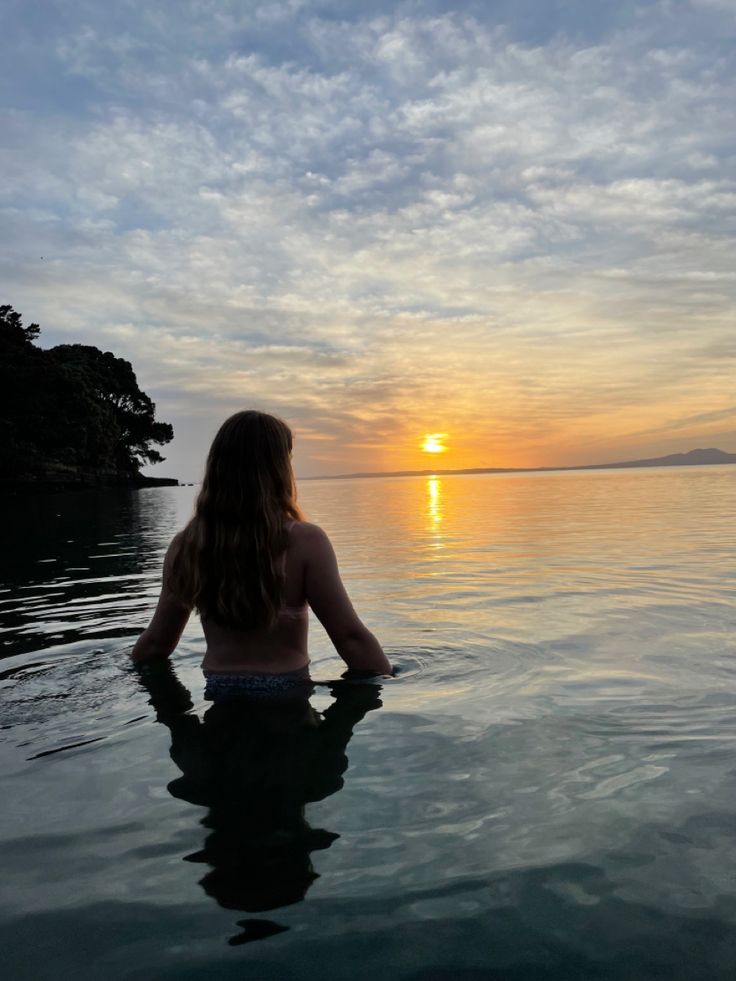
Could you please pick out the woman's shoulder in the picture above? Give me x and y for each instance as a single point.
(308, 538)
(175, 544)
(306, 531)
(171, 553)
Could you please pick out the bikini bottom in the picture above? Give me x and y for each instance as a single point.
(224, 687)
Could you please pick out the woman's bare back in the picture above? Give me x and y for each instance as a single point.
(279, 649)
(312, 580)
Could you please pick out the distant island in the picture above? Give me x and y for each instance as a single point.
(693, 458)
(72, 415)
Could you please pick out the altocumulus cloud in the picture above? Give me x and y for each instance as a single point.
(510, 222)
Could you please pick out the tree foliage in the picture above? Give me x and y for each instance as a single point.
(71, 406)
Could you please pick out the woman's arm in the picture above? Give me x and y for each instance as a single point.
(331, 604)
(162, 634)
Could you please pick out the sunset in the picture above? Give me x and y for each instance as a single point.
(434, 443)
(368, 428)
(517, 222)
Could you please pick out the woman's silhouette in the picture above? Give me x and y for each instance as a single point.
(250, 565)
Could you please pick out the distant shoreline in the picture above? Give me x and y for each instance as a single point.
(694, 458)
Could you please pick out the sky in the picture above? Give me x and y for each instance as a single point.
(512, 223)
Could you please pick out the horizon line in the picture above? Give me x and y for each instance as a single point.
(624, 464)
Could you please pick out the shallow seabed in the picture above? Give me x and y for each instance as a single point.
(546, 791)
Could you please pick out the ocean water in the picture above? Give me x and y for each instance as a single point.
(547, 790)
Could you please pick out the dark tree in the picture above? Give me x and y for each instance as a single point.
(110, 383)
(14, 333)
(71, 408)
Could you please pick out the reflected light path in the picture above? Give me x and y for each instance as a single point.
(434, 508)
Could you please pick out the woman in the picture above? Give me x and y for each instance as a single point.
(251, 566)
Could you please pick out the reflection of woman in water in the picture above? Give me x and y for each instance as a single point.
(251, 567)
(256, 766)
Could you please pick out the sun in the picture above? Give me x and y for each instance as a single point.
(434, 443)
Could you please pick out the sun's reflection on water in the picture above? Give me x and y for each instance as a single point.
(435, 509)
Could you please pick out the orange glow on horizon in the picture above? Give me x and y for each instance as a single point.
(463, 438)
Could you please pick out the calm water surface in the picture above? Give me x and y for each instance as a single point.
(546, 791)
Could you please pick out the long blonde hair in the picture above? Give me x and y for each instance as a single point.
(228, 561)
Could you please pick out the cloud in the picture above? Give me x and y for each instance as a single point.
(518, 231)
